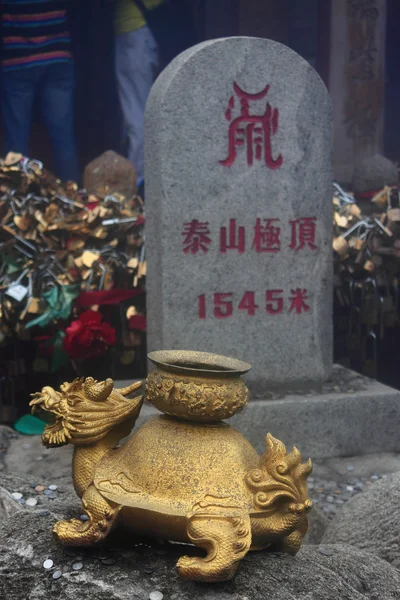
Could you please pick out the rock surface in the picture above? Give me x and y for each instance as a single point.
(373, 173)
(120, 570)
(110, 173)
(371, 521)
(317, 525)
(27, 455)
(6, 434)
(62, 502)
(122, 573)
(8, 506)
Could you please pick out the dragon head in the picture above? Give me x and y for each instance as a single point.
(84, 411)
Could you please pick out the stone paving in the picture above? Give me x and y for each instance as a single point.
(331, 495)
(334, 481)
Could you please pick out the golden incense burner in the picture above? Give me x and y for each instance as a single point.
(183, 476)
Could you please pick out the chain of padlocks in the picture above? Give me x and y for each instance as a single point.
(367, 276)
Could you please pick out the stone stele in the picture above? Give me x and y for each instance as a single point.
(110, 173)
(238, 148)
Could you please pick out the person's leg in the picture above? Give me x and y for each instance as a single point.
(136, 59)
(57, 101)
(18, 92)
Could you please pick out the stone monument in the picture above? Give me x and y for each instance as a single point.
(238, 208)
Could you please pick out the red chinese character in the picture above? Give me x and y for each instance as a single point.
(252, 131)
(233, 244)
(274, 300)
(223, 307)
(248, 302)
(196, 237)
(297, 300)
(303, 233)
(267, 236)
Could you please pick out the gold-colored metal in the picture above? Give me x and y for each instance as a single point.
(188, 479)
(198, 386)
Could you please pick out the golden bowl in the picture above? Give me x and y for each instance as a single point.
(197, 386)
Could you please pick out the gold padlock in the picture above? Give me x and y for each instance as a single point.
(393, 215)
(341, 246)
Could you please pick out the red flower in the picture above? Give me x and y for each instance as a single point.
(89, 337)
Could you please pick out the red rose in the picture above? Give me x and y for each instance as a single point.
(89, 337)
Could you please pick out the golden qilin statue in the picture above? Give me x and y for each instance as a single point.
(184, 475)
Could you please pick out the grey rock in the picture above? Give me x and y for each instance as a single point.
(374, 173)
(317, 524)
(186, 140)
(340, 572)
(66, 500)
(55, 464)
(371, 521)
(6, 434)
(8, 506)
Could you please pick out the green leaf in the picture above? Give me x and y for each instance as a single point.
(59, 301)
(59, 358)
(12, 265)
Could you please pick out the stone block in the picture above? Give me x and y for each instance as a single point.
(238, 210)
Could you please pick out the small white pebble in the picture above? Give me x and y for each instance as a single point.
(349, 488)
(57, 574)
(52, 488)
(16, 495)
(156, 595)
(48, 564)
(31, 502)
(84, 518)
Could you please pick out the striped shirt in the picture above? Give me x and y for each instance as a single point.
(35, 32)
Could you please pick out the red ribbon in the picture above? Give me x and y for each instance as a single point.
(138, 322)
(368, 195)
(106, 297)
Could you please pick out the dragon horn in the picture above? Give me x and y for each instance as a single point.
(131, 388)
(98, 391)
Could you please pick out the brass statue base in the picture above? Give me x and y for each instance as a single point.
(184, 476)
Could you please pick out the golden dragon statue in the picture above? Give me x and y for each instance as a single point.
(185, 475)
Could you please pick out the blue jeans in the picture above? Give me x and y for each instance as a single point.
(54, 85)
(136, 61)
